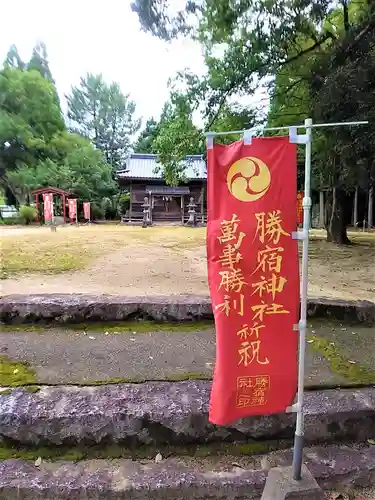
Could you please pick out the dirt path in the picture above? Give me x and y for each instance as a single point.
(173, 262)
(145, 270)
(134, 270)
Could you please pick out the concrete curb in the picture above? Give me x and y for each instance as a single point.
(79, 308)
(170, 413)
(126, 480)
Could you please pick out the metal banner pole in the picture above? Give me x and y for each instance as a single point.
(306, 204)
(304, 236)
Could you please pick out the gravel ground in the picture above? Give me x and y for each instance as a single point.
(164, 261)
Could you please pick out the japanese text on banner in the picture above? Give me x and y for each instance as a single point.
(253, 277)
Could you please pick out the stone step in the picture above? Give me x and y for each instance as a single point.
(81, 308)
(224, 477)
(170, 413)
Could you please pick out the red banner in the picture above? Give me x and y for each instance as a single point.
(86, 210)
(299, 208)
(253, 277)
(48, 207)
(72, 203)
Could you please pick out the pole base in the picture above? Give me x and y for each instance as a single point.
(281, 486)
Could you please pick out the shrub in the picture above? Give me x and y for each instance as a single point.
(9, 221)
(27, 214)
(96, 211)
(124, 203)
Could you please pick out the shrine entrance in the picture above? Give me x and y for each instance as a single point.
(168, 203)
(60, 207)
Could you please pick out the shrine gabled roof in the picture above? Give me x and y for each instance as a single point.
(143, 166)
(49, 189)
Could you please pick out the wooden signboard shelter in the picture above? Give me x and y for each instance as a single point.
(44, 190)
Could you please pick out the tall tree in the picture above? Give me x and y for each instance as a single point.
(331, 86)
(243, 41)
(248, 42)
(343, 89)
(146, 138)
(73, 164)
(29, 118)
(13, 58)
(178, 137)
(234, 117)
(39, 61)
(104, 114)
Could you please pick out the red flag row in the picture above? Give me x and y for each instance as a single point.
(72, 206)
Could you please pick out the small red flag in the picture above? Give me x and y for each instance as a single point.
(48, 207)
(86, 210)
(72, 202)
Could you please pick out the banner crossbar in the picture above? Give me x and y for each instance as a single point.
(275, 129)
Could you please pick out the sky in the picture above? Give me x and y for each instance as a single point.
(100, 37)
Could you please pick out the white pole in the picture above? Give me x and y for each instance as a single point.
(370, 208)
(321, 208)
(299, 434)
(355, 208)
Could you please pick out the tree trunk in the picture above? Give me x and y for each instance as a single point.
(335, 218)
(321, 209)
(328, 213)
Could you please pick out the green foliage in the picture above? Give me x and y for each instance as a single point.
(74, 165)
(318, 59)
(15, 373)
(178, 137)
(27, 214)
(145, 141)
(13, 58)
(145, 452)
(234, 118)
(102, 113)
(110, 207)
(243, 41)
(29, 117)
(97, 211)
(9, 221)
(333, 83)
(124, 203)
(343, 89)
(339, 364)
(39, 61)
(35, 147)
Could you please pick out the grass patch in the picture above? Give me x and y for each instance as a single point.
(115, 327)
(38, 250)
(178, 377)
(339, 364)
(144, 327)
(114, 451)
(52, 262)
(16, 373)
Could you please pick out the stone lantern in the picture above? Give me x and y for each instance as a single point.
(146, 212)
(192, 213)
